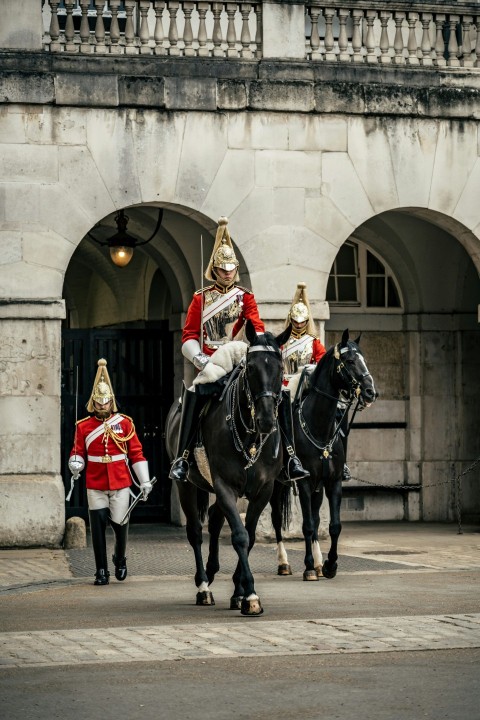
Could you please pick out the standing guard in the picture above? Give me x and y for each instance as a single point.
(105, 442)
(217, 315)
(304, 348)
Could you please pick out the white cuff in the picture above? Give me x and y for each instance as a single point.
(141, 471)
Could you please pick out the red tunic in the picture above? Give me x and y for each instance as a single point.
(191, 330)
(92, 444)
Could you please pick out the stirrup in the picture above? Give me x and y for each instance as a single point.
(179, 470)
(294, 470)
(346, 476)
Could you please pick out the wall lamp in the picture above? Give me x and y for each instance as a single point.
(122, 245)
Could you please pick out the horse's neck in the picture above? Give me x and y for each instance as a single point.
(321, 402)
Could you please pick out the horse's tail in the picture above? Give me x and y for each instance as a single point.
(286, 506)
(202, 504)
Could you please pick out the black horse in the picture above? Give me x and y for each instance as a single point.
(240, 434)
(341, 371)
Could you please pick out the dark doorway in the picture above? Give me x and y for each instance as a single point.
(140, 365)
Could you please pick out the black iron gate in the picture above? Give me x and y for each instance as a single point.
(140, 365)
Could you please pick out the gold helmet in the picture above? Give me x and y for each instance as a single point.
(102, 391)
(223, 254)
(300, 310)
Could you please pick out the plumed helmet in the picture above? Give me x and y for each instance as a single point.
(102, 391)
(223, 254)
(300, 310)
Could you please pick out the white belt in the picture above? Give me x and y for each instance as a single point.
(105, 458)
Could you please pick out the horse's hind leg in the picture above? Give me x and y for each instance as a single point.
(188, 501)
(305, 496)
(316, 551)
(283, 566)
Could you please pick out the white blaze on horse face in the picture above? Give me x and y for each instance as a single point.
(365, 372)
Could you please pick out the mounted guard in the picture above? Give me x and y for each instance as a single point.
(216, 316)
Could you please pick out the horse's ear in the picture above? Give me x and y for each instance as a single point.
(283, 337)
(357, 340)
(345, 338)
(250, 332)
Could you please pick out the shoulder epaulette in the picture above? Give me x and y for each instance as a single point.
(250, 292)
(127, 417)
(202, 290)
(83, 419)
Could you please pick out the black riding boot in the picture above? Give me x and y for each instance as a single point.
(192, 404)
(293, 469)
(98, 527)
(118, 558)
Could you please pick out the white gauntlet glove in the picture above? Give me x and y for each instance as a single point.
(76, 464)
(141, 471)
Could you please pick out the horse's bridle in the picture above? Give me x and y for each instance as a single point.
(254, 449)
(346, 375)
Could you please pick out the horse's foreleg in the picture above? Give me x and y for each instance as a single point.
(308, 526)
(188, 501)
(329, 569)
(283, 566)
(317, 499)
(216, 520)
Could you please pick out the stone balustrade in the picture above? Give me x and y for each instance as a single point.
(440, 35)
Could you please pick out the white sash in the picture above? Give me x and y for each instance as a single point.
(99, 431)
(222, 302)
(296, 345)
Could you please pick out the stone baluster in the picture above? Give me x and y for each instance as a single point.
(245, 39)
(258, 34)
(217, 30)
(315, 53)
(231, 34)
(370, 37)
(343, 54)
(189, 50)
(70, 45)
(426, 45)
(159, 35)
(115, 48)
(100, 46)
(452, 60)
(144, 33)
(173, 50)
(357, 16)
(85, 46)
(130, 48)
(477, 42)
(439, 59)
(54, 30)
(385, 57)
(412, 47)
(468, 60)
(203, 50)
(398, 46)
(329, 14)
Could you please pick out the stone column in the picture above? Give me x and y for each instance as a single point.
(32, 497)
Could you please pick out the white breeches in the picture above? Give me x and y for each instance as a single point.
(117, 501)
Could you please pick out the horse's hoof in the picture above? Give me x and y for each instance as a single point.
(251, 608)
(205, 598)
(328, 571)
(284, 569)
(319, 571)
(236, 602)
(310, 575)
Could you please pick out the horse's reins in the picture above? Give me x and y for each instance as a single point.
(355, 390)
(233, 399)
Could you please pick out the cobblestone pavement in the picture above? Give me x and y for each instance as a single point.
(385, 549)
(182, 642)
